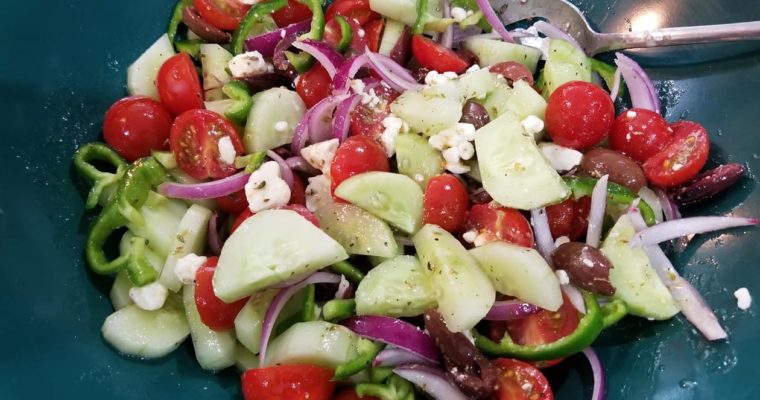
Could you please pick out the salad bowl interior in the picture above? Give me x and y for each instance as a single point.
(58, 78)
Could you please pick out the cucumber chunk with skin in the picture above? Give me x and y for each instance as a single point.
(427, 111)
(463, 291)
(490, 52)
(250, 319)
(358, 231)
(141, 75)
(270, 108)
(269, 248)
(214, 63)
(521, 99)
(162, 218)
(417, 159)
(394, 198)
(398, 287)
(316, 342)
(119, 293)
(403, 10)
(520, 272)
(147, 334)
(190, 238)
(635, 280)
(244, 359)
(564, 63)
(514, 171)
(213, 350)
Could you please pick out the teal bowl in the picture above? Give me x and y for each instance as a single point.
(64, 63)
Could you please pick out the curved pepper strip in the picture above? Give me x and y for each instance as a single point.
(101, 181)
(419, 23)
(395, 388)
(353, 274)
(174, 22)
(367, 350)
(254, 15)
(589, 328)
(613, 312)
(616, 194)
(131, 194)
(607, 72)
(237, 91)
(338, 309)
(190, 46)
(346, 33)
(303, 61)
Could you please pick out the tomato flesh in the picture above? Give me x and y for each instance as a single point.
(333, 34)
(579, 115)
(314, 85)
(222, 14)
(292, 13)
(179, 87)
(133, 126)
(215, 313)
(494, 223)
(445, 202)
(373, 31)
(233, 203)
(244, 215)
(194, 140)
(367, 119)
(281, 382)
(519, 380)
(358, 10)
(639, 133)
(432, 55)
(356, 155)
(569, 218)
(682, 159)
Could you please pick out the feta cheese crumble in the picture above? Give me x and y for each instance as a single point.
(459, 14)
(266, 189)
(562, 276)
(227, 151)
(743, 298)
(433, 78)
(393, 127)
(320, 155)
(532, 124)
(281, 126)
(149, 297)
(318, 193)
(456, 146)
(561, 158)
(187, 267)
(249, 63)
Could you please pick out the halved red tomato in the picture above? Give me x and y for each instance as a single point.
(358, 154)
(281, 382)
(351, 9)
(367, 119)
(215, 313)
(682, 158)
(294, 12)
(179, 87)
(569, 218)
(223, 14)
(519, 380)
(432, 55)
(313, 85)
(500, 223)
(135, 125)
(445, 202)
(233, 203)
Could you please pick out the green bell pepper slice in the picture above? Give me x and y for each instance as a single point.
(613, 312)
(338, 309)
(176, 18)
(394, 388)
(103, 183)
(190, 46)
(367, 350)
(589, 328)
(238, 92)
(254, 15)
(607, 72)
(419, 23)
(353, 274)
(346, 33)
(123, 209)
(616, 195)
(303, 61)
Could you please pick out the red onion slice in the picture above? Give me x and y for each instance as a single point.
(640, 87)
(510, 309)
(686, 226)
(342, 81)
(431, 380)
(344, 289)
(395, 332)
(447, 37)
(282, 297)
(597, 372)
(285, 171)
(393, 357)
(669, 207)
(493, 20)
(298, 163)
(206, 190)
(330, 59)
(615, 89)
(342, 120)
(315, 124)
(396, 76)
(554, 32)
(267, 42)
(692, 305)
(596, 212)
(542, 232)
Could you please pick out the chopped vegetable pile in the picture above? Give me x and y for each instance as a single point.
(378, 199)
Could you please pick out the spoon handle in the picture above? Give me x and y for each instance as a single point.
(677, 36)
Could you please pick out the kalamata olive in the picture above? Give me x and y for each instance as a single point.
(420, 73)
(200, 27)
(468, 56)
(586, 266)
(709, 183)
(402, 50)
(621, 169)
(261, 82)
(475, 114)
(512, 71)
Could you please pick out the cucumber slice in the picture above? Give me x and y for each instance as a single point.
(634, 278)
(417, 159)
(403, 10)
(463, 291)
(316, 342)
(220, 106)
(269, 248)
(250, 318)
(245, 360)
(190, 237)
(564, 63)
(490, 52)
(270, 107)
(496, 101)
(398, 287)
(213, 350)
(162, 217)
(394, 198)
(514, 172)
(141, 75)
(214, 63)
(477, 84)
(119, 294)
(520, 272)
(147, 334)
(428, 111)
(524, 101)
(358, 231)
(392, 33)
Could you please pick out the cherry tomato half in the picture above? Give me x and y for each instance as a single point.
(373, 31)
(194, 140)
(233, 203)
(292, 13)
(358, 154)
(639, 133)
(333, 35)
(569, 218)
(432, 55)
(133, 126)
(500, 223)
(179, 87)
(215, 313)
(288, 382)
(682, 158)
(519, 380)
(351, 9)
(367, 119)
(222, 14)
(445, 202)
(313, 85)
(579, 115)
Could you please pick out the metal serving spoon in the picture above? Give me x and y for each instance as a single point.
(569, 18)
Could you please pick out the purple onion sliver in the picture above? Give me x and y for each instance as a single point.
(389, 70)
(596, 212)
(206, 190)
(615, 89)
(510, 309)
(640, 87)
(431, 380)
(325, 54)
(490, 15)
(321, 119)
(393, 357)
(597, 372)
(282, 297)
(267, 42)
(342, 81)
(447, 38)
(669, 207)
(392, 65)
(344, 288)
(213, 239)
(395, 332)
(543, 233)
(686, 226)
(285, 171)
(298, 163)
(554, 32)
(342, 120)
(279, 59)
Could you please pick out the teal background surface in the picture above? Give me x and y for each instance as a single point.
(64, 63)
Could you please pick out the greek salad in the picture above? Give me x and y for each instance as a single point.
(389, 199)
